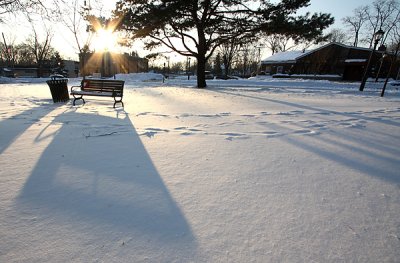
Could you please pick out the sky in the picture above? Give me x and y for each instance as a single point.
(64, 43)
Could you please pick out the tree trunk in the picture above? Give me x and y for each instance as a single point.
(356, 40)
(39, 70)
(226, 71)
(201, 57)
(201, 72)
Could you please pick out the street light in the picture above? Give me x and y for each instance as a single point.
(188, 69)
(380, 67)
(377, 37)
(86, 13)
(392, 62)
(259, 57)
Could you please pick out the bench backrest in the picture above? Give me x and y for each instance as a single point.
(103, 85)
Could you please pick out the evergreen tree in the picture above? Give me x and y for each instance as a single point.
(217, 65)
(58, 63)
(197, 27)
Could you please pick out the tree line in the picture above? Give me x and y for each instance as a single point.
(227, 62)
(200, 27)
(226, 36)
(35, 49)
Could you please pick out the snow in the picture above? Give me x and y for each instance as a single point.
(286, 56)
(355, 60)
(257, 170)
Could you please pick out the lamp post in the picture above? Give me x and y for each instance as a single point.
(86, 13)
(188, 71)
(259, 58)
(380, 67)
(377, 36)
(393, 61)
(168, 72)
(163, 78)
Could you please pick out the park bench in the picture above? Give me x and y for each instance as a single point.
(99, 87)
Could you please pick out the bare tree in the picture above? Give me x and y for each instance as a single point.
(392, 24)
(228, 52)
(356, 22)
(75, 17)
(71, 15)
(272, 43)
(13, 6)
(384, 15)
(279, 43)
(394, 47)
(24, 55)
(40, 48)
(394, 38)
(337, 35)
(8, 51)
(282, 43)
(247, 60)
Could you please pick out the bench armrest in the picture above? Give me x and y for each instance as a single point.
(74, 87)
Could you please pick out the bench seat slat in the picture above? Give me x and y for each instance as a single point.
(92, 93)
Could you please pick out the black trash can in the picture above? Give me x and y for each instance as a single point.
(58, 88)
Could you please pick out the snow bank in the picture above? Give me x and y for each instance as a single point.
(4, 80)
(140, 77)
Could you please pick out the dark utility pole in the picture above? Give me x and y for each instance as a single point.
(393, 61)
(377, 36)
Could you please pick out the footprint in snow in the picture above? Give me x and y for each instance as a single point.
(305, 132)
(156, 130)
(233, 135)
(187, 133)
(143, 113)
(150, 132)
(160, 115)
(180, 128)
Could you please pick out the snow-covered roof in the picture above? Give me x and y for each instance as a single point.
(284, 57)
(354, 60)
(292, 56)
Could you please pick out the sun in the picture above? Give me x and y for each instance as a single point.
(105, 40)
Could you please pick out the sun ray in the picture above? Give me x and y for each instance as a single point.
(105, 40)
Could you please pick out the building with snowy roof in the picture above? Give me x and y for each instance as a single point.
(333, 60)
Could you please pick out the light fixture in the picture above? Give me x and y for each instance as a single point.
(378, 35)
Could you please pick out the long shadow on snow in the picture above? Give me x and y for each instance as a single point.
(97, 171)
(316, 109)
(379, 166)
(14, 126)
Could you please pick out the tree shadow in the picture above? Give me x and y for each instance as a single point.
(353, 147)
(14, 126)
(96, 175)
(316, 109)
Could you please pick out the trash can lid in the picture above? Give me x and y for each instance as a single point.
(57, 76)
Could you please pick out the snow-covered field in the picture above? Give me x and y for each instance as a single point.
(258, 170)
